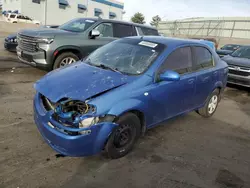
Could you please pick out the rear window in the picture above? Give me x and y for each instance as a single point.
(12, 16)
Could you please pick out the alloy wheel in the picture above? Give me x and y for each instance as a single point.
(67, 61)
(212, 105)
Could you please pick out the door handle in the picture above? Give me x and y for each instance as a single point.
(205, 79)
(190, 81)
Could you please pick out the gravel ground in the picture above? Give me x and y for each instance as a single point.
(188, 151)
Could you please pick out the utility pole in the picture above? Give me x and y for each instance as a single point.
(45, 12)
(87, 8)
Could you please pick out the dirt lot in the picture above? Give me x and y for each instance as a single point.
(189, 151)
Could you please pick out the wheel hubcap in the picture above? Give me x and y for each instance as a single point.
(212, 104)
(123, 136)
(67, 61)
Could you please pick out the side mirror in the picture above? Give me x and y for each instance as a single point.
(169, 76)
(94, 33)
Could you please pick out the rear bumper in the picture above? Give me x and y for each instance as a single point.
(36, 59)
(239, 80)
(80, 145)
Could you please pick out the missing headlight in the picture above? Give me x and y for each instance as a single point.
(69, 111)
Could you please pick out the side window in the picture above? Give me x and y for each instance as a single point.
(105, 29)
(140, 33)
(148, 31)
(12, 16)
(180, 61)
(123, 30)
(203, 57)
(19, 17)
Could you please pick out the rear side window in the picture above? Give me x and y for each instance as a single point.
(123, 30)
(203, 57)
(148, 31)
(180, 61)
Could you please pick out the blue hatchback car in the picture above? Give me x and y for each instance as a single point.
(108, 100)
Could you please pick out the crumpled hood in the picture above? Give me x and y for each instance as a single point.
(79, 82)
(244, 62)
(45, 32)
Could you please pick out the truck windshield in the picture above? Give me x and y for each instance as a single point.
(128, 56)
(243, 52)
(77, 25)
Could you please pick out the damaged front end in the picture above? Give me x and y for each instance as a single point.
(72, 127)
(73, 115)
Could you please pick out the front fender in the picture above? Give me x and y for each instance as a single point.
(128, 105)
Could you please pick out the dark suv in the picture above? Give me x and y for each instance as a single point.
(54, 48)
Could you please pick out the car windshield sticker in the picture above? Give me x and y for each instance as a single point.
(90, 21)
(148, 44)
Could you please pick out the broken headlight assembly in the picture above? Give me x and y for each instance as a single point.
(75, 113)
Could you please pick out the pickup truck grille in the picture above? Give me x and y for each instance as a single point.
(241, 71)
(27, 43)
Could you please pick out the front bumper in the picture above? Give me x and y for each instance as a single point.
(239, 80)
(10, 46)
(36, 59)
(80, 145)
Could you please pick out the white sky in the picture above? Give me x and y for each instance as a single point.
(177, 9)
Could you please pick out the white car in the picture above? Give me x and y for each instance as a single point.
(19, 18)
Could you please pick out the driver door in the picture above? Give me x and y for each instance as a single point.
(176, 97)
(106, 36)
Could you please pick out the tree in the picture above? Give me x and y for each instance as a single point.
(138, 18)
(155, 21)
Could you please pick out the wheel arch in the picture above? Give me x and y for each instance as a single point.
(74, 49)
(134, 106)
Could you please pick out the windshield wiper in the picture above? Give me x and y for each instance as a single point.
(109, 68)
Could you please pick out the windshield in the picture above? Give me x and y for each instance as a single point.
(128, 56)
(230, 47)
(243, 52)
(77, 25)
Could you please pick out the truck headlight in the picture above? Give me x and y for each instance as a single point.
(85, 123)
(45, 41)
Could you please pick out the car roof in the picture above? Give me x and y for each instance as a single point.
(173, 42)
(122, 22)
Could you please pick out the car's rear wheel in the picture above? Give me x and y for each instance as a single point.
(123, 138)
(64, 59)
(211, 105)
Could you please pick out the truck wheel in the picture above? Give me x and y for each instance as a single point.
(211, 105)
(64, 59)
(123, 138)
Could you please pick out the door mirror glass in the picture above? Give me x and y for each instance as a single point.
(169, 76)
(94, 33)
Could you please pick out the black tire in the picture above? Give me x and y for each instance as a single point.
(62, 56)
(115, 148)
(204, 111)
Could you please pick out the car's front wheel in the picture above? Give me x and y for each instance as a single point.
(123, 138)
(211, 104)
(64, 59)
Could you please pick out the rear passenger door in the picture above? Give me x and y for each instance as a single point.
(123, 30)
(206, 74)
